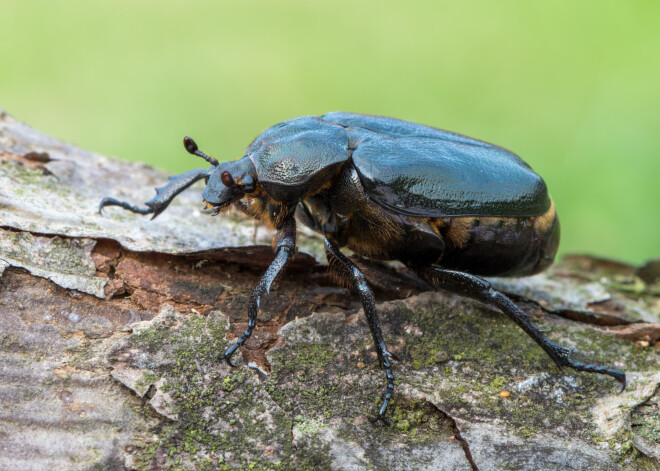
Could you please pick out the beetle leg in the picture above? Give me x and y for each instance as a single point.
(164, 195)
(350, 272)
(285, 249)
(304, 215)
(481, 290)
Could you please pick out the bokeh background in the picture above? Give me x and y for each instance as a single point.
(572, 87)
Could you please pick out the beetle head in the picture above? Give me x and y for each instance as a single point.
(227, 182)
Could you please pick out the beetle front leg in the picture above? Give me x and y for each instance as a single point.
(285, 249)
(164, 195)
(481, 290)
(351, 273)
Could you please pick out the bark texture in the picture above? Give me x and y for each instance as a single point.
(110, 328)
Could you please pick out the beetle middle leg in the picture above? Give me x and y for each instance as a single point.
(350, 272)
(481, 290)
(285, 249)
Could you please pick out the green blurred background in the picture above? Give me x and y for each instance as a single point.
(572, 87)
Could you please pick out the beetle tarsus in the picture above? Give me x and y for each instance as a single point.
(620, 376)
(123, 204)
(481, 290)
(285, 249)
(351, 273)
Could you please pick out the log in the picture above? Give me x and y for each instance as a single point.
(110, 329)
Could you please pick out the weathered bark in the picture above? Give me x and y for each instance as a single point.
(110, 329)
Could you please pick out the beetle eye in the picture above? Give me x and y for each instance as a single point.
(247, 184)
(227, 179)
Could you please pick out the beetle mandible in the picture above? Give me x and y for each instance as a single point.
(450, 207)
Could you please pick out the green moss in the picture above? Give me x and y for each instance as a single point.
(12, 343)
(597, 347)
(646, 420)
(146, 450)
(29, 175)
(485, 337)
(147, 379)
(203, 396)
(479, 354)
(464, 357)
(228, 384)
(154, 338)
(419, 420)
(307, 363)
(497, 383)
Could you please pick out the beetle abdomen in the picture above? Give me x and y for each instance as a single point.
(481, 245)
(492, 246)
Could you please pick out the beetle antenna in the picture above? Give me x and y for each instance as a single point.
(191, 147)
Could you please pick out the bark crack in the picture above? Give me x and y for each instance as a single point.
(293, 425)
(644, 425)
(458, 436)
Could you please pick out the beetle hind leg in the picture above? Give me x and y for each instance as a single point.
(479, 289)
(351, 273)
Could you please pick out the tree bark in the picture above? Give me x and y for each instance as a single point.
(110, 329)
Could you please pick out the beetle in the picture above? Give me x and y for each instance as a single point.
(451, 208)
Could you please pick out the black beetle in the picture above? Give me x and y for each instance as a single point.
(448, 206)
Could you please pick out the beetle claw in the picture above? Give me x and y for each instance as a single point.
(228, 354)
(392, 355)
(227, 359)
(620, 376)
(623, 384)
(382, 419)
